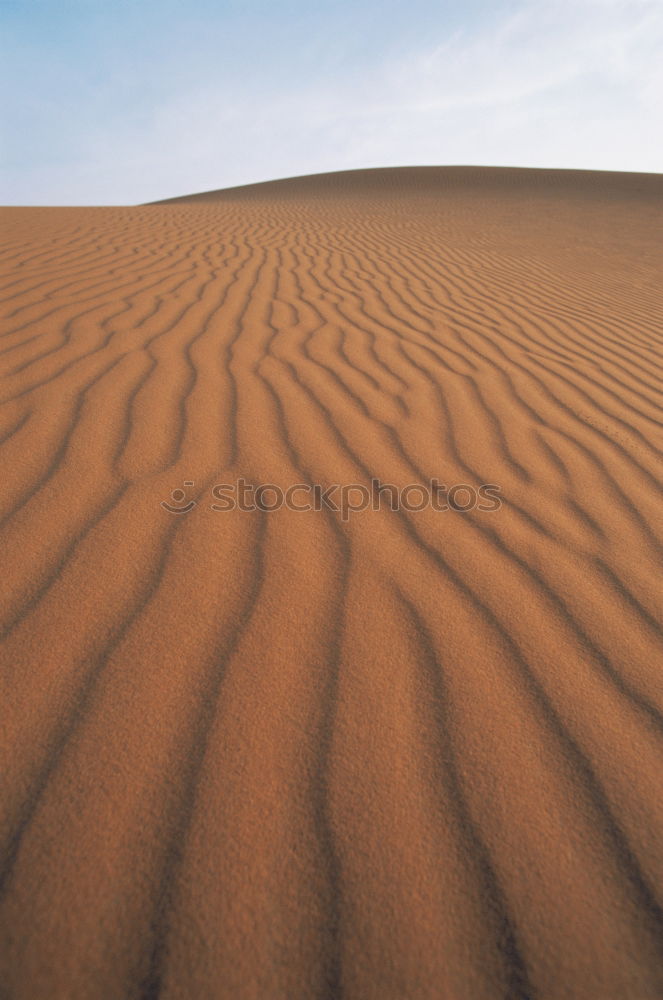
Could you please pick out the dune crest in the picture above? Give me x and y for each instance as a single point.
(258, 754)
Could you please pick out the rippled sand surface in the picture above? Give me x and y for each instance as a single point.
(271, 755)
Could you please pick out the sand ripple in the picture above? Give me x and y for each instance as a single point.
(409, 755)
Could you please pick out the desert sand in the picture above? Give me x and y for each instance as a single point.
(271, 755)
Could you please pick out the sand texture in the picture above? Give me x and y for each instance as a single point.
(283, 755)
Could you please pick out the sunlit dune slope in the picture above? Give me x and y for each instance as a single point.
(387, 754)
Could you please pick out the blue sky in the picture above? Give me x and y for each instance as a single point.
(122, 102)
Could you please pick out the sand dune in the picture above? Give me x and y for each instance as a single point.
(286, 754)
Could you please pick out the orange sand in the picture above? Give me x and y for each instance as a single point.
(272, 756)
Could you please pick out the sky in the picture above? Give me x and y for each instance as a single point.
(123, 102)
